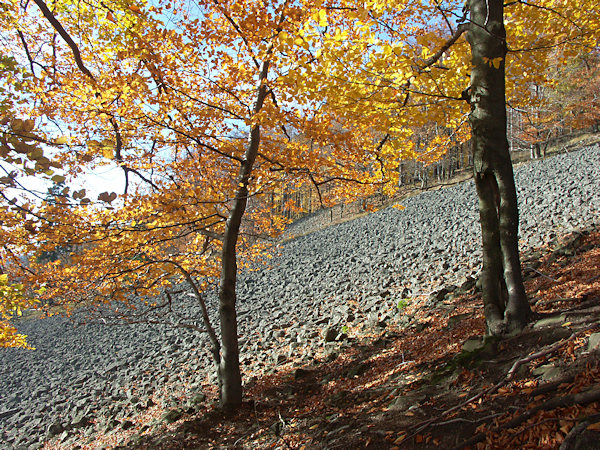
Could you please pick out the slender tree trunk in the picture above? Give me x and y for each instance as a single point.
(505, 302)
(230, 379)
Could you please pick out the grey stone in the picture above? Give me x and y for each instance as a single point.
(550, 321)
(457, 319)
(198, 398)
(438, 296)
(127, 424)
(594, 342)
(547, 372)
(472, 345)
(330, 334)
(173, 415)
(9, 412)
(55, 429)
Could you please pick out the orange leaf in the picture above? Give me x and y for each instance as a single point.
(594, 426)
(400, 438)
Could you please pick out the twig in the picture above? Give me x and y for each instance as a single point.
(558, 299)
(460, 419)
(533, 425)
(540, 273)
(549, 387)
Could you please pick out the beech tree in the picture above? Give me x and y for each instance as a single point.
(399, 66)
(505, 301)
(197, 105)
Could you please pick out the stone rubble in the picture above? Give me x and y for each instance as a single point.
(90, 377)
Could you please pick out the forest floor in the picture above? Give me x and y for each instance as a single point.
(433, 384)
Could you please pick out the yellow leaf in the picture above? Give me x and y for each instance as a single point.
(321, 17)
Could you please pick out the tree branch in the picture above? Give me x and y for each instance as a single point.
(463, 27)
(63, 33)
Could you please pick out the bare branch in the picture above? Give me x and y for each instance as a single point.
(26, 48)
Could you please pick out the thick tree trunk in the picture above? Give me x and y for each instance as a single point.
(230, 379)
(505, 302)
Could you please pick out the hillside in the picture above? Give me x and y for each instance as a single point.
(348, 333)
(414, 387)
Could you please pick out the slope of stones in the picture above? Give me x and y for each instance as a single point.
(346, 274)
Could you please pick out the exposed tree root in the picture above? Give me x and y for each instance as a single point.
(580, 398)
(571, 438)
(509, 376)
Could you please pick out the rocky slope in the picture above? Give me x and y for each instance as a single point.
(95, 376)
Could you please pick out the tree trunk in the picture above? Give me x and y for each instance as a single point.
(505, 302)
(230, 379)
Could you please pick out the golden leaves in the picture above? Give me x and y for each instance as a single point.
(320, 17)
(12, 302)
(493, 62)
(104, 148)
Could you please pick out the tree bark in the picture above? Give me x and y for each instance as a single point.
(230, 379)
(505, 302)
